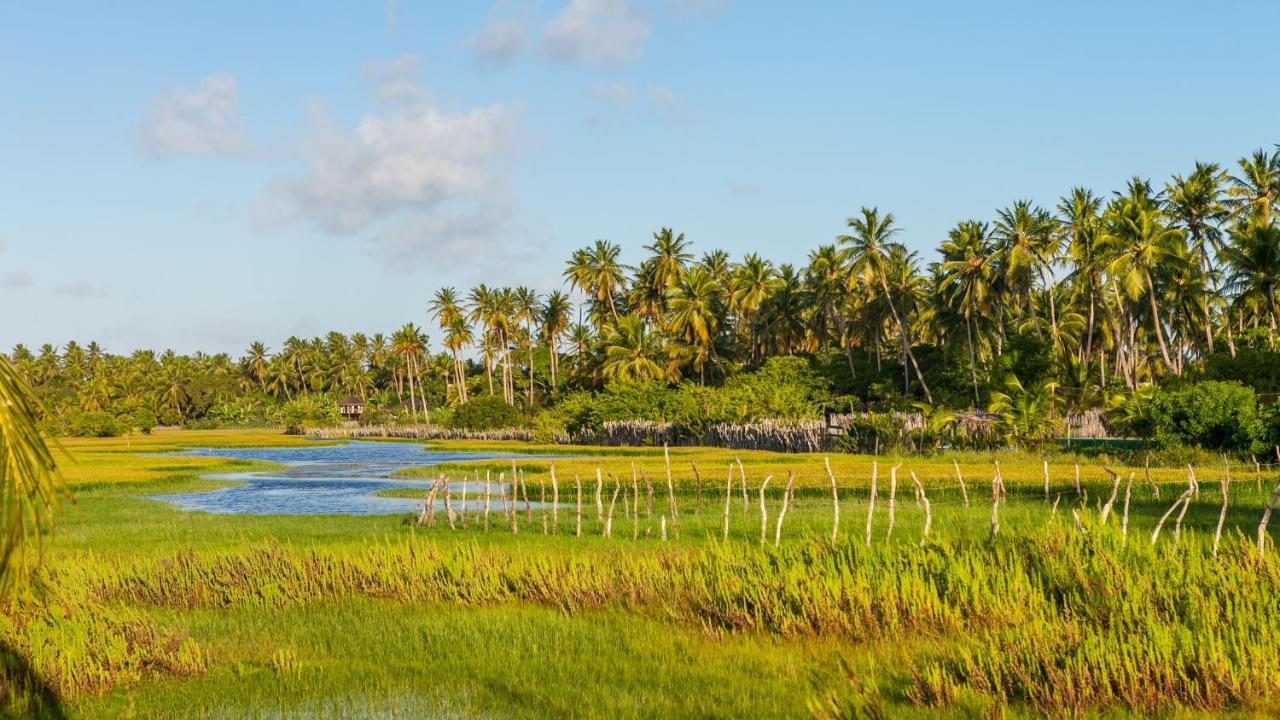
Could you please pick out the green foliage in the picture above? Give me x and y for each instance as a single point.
(94, 424)
(308, 412)
(1256, 367)
(1212, 415)
(485, 412)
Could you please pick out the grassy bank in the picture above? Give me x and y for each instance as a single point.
(146, 610)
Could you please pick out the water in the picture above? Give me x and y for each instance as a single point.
(329, 480)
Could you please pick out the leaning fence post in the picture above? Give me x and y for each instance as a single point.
(448, 505)
(671, 494)
(608, 522)
(1111, 501)
(995, 502)
(893, 492)
(928, 510)
(764, 511)
(599, 499)
(1046, 481)
(555, 501)
(1222, 516)
(1124, 519)
(1257, 472)
(964, 492)
(835, 500)
(697, 506)
(743, 473)
(1266, 518)
(1155, 534)
(871, 504)
(487, 495)
(782, 513)
(1146, 471)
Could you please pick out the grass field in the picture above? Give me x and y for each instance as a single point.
(146, 611)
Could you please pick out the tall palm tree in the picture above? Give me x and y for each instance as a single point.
(631, 351)
(869, 244)
(1255, 192)
(410, 345)
(670, 255)
(693, 315)
(527, 309)
(1137, 239)
(597, 272)
(1081, 226)
(447, 311)
(255, 363)
(751, 283)
(1028, 242)
(967, 267)
(555, 323)
(1253, 256)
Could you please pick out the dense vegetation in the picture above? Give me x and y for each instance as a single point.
(1092, 303)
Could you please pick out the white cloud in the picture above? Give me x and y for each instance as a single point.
(607, 32)
(195, 121)
(669, 106)
(397, 80)
(618, 93)
(415, 179)
(504, 37)
(17, 279)
(81, 289)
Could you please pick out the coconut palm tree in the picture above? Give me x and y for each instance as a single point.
(1255, 192)
(448, 312)
(255, 363)
(1028, 241)
(631, 351)
(966, 280)
(751, 283)
(670, 256)
(869, 244)
(598, 274)
(555, 323)
(527, 309)
(1253, 258)
(1137, 239)
(693, 315)
(409, 344)
(1081, 226)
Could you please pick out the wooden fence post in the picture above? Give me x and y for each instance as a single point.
(764, 511)
(871, 503)
(835, 500)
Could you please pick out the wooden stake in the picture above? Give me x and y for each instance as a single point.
(464, 502)
(835, 500)
(928, 510)
(1177, 525)
(448, 505)
(555, 502)
(599, 496)
(1079, 494)
(964, 492)
(728, 499)
(743, 473)
(502, 494)
(764, 511)
(635, 509)
(428, 515)
(648, 500)
(1111, 501)
(995, 502)
(1124, 519)
(1257, 472)
(1046, 481)
(487, 495)
(664, 528)
(542, 500)
(893, 493)
(1222, 516)
(577, 528)
(786, 500)
(608, 522)
(671, 494)
(871, 503)
(1155, 534)
(1146, 471)
(1266, 518)
(697, 506)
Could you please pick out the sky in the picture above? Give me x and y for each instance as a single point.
(197, 176)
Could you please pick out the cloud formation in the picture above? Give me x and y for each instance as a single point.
(17, 279)
(414, 180)
(606, 32)
(397, 80)
(593, 32)
(81, 289)
(195, 121)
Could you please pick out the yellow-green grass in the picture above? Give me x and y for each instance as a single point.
(171, 614)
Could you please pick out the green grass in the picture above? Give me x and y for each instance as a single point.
(147, 610)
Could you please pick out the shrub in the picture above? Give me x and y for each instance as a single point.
(94, 424)
(1212, 415)
(486, 412)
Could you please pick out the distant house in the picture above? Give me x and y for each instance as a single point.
(351, 408)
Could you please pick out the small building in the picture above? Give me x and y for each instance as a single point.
(351, 408)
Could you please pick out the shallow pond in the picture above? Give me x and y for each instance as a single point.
(328, 480)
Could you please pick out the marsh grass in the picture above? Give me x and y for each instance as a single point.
(164, 611)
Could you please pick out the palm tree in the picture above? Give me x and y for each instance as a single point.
(631, 352)
(1137, 239)
(967, 268)
(555, 323)
(255, 363)
(869, 245)
(693, 315)
(30, 486)
(1253, 255)
(1255, 191)
(527, 309)
(410, 344)
(597, 272)
(1028, 244)
(447, 311)
(751, 283)
(670, 257)
(1081, 226)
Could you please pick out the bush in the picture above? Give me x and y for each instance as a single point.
(487, 412)
(1212, 415)
(94, 424)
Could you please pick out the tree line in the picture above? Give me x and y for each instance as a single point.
(1114, 293)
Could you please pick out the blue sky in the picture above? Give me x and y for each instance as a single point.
(202, 175)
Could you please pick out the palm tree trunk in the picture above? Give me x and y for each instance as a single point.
(973, 363)
(1155, 320)
(1053, 310)
(906, 338)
